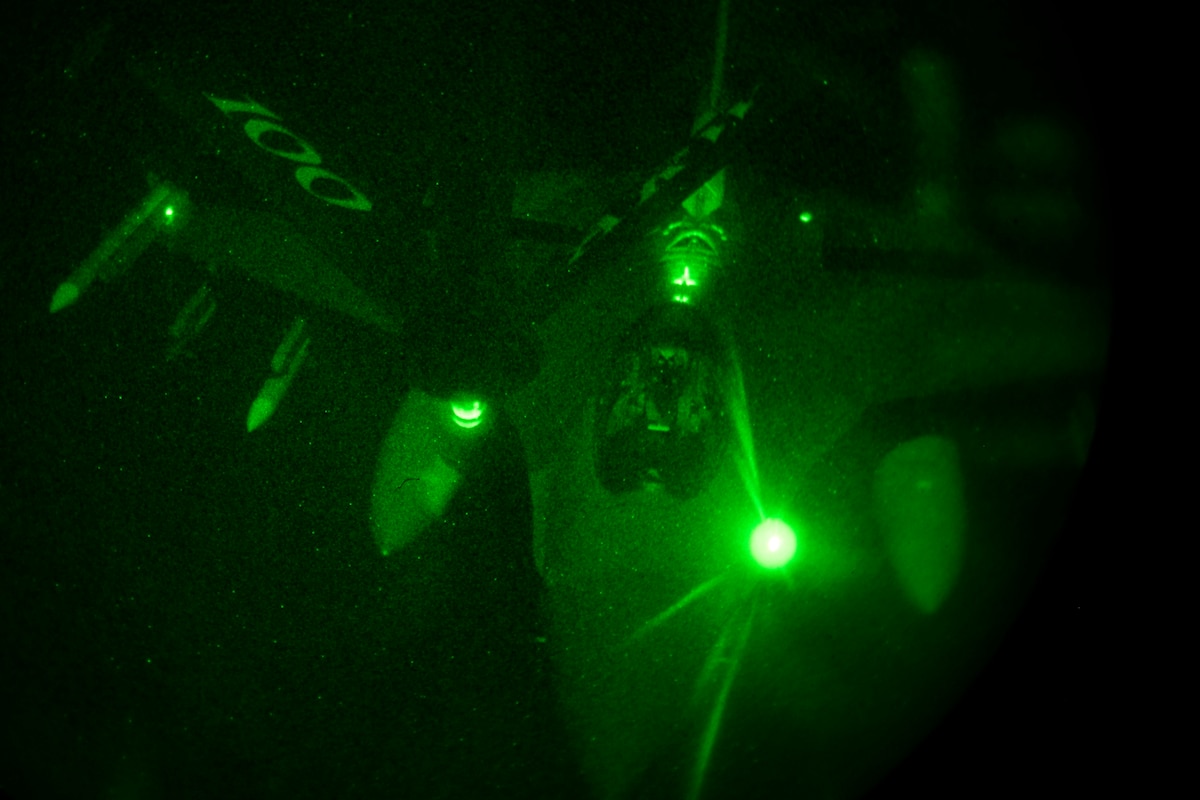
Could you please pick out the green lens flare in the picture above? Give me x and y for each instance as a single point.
(773, 544)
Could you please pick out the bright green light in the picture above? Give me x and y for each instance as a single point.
(169, 211)
(468, 415)
(805, 217)
(685, 279)
(773, 544)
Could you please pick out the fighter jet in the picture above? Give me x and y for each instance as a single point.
(702, 368)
